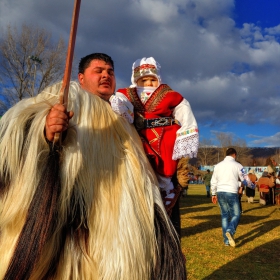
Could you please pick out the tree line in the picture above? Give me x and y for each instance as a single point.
(210, 154)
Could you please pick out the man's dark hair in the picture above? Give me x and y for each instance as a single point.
(85, 61)
(231, 151)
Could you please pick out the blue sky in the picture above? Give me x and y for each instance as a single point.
(221, 55)
(263, 14)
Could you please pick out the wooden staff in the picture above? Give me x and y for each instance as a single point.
(63, 95)
(41, 218)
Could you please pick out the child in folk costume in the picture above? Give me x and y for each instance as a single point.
(163, 119)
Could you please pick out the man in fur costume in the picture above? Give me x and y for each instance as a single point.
(81, 211)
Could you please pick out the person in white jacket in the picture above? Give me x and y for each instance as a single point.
(224, 188)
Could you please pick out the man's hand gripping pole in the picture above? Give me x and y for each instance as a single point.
(63, 94)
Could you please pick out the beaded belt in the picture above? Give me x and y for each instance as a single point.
(141, 123)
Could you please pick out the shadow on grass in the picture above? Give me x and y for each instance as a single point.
(258, 231)
(214, 221)
(257, 208)
(195, 204)
(188, 202)
(195, 210)
(252, 265)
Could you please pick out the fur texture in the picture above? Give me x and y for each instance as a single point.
(182, 172)
(105, 226)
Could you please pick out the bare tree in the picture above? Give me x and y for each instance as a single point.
(243, 152)
(260, 161)
(29, 62)
(227, 140)
(277, 156)
(206, 152)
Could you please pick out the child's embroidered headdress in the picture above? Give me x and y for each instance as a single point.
(145, 67)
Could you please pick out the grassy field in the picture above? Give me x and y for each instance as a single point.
(257, 251)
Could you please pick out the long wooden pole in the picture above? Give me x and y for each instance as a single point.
(63, 95)
(41, 216)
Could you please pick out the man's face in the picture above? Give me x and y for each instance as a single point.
(98, 78)
(147, 81)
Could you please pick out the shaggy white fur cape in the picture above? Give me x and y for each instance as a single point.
(105, 178)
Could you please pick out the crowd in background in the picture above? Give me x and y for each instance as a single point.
(266, 179)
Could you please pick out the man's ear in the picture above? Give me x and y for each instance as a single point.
(81, 78)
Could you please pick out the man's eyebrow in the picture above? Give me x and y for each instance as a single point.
(102, 68)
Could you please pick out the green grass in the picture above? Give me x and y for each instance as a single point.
(257, 251)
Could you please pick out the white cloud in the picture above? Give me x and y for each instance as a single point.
(157, 11)
(269, 141)
(264, 52)
(222, 70)
(273, 30)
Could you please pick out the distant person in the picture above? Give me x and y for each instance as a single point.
(240, 191)
(265, 185)
(240, 194)
(271, 164)
(272, 173)
(224, 187)
(207, 178)
(277, 189)
(250, 193)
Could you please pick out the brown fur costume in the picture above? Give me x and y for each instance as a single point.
(182, 172)
(108, 220)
